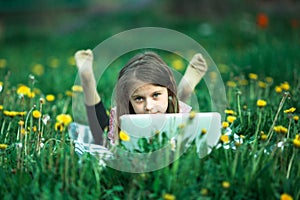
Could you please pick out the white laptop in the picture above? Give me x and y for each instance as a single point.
(183, 125)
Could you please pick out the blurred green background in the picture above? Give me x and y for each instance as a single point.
(40, 37)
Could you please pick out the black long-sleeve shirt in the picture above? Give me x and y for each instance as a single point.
(98, 121)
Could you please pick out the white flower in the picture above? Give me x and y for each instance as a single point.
(173, 143)
(46, 119)
(19, 145)
(102, 163)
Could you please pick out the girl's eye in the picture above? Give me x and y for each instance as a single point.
(156, 94)
(138, 99)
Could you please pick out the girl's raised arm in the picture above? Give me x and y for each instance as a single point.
(96, 112)
(84, 61)
(192, 76)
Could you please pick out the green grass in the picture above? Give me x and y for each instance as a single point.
(42, 164)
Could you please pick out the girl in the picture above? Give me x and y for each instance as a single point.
(145, 85)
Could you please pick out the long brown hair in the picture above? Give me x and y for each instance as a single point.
(144, 68)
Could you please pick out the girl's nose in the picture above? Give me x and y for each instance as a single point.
(149, 105)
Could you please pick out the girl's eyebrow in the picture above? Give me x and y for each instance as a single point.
(155, 91)
(158, 91)
(136, 95)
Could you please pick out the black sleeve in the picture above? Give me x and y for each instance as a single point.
(98, 121)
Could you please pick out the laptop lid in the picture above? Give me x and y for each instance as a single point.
(203, 128)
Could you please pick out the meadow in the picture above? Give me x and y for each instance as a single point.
(257, 156)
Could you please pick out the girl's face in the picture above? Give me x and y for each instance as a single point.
(149, 99)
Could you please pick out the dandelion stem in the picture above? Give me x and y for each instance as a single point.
(289, 128)
(66, 105)
(7, 131)
(257, 127)
(239, 106)
(270, 133)
(2, 127)
(290, 164)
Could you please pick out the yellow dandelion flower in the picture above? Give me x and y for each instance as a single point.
(37, 91)
(242, 136)
(269, 80)
(276, 129)
(237, 144)
(50, 97)
(223, 68)
(2, 63)
(178, 64)
(69, 93)
(124, 136)
(296, 141)
(261, 103)
(1, 86)
(230, 112)
(213, 75)
(253, 76)
(34, 129)
(54, 62)
(262, 84)
(21, 114)
(192, 115)
(204, 191)
(296, 118)
(290, 110)
(224, 139)
(263, 137)
(262, 132)
(31, 95)
(3, 146)
(59, 126)
(181, 126)
(225, 184)
(203, 131)
(71, 61)
(280, 129)
(36, 114)
(13, 113)
(23, 131)
(77, 88)
(285, 86)
(243, 82)
(66, 119)
(284, 130)
(10, 113)
(23, 90)
(231, 84)
(1, 107)
(21, 122)
(225, 125)
(286, 196)
(169, 197)
(278, 89)
(38, 69)
(231, 119)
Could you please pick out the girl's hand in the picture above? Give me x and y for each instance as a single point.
(84, 60)
(196, 70)
(192, 76)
